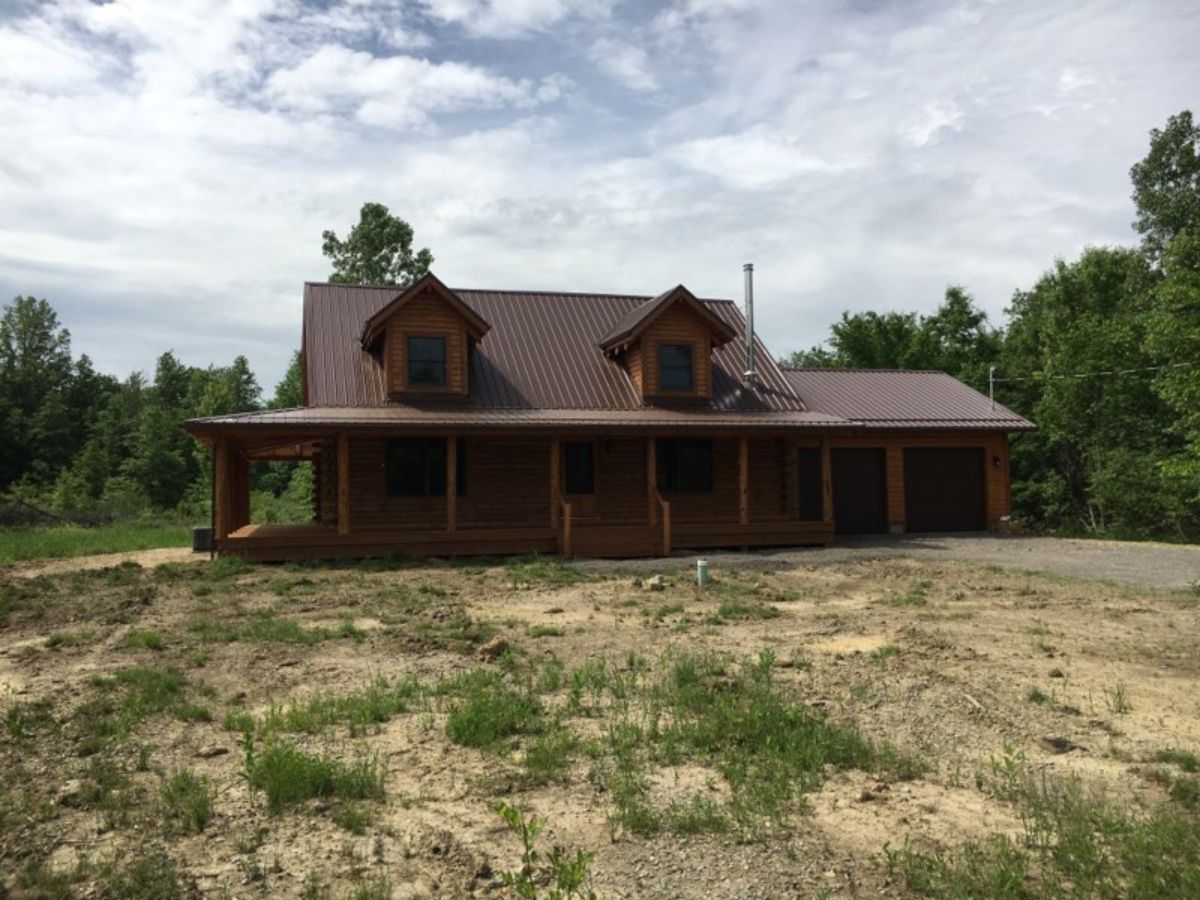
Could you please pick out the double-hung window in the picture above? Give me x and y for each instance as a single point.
(426, 359)
(675, 367)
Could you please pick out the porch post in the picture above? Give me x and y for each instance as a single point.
(343, 484)
(826, 482)
(555, 481)
(744, 480)
(651, 481)
(220, 488)
(451, 483)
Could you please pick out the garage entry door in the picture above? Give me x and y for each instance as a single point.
(859, 491)
(944, 489)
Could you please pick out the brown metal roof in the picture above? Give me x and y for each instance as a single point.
(542, 352)
(541, 365)
(893, 398)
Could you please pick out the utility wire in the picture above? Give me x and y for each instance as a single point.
(1042, 376)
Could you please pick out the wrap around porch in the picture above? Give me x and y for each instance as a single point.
(585, 495)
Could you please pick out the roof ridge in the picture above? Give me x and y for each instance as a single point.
(514, 291)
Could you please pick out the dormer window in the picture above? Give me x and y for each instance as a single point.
(675, 371)
(426, 357)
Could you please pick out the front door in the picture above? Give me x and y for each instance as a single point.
(579, 478)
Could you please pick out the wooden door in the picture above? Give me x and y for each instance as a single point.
(579, 477)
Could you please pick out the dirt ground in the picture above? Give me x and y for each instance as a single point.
(1140, 564)
(953, 664)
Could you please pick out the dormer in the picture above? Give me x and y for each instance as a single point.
(666, 344)
(423, 338)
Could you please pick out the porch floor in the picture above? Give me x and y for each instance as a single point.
(312, 541)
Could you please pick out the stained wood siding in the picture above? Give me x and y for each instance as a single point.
(677, 325)
(508, 482)
(427, 315)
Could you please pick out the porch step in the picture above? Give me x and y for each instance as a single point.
(616, 540)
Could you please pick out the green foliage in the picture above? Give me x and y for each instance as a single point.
(955, 339)
(359, 710)
(378, 250)
(288, 775)
(146, 876)
(187, 802)
(1166, 184)
(488, 710)
(541, 570)
(565, 873)
(1101, 353)
(1074, 844)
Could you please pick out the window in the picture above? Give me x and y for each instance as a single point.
(675, 367)
(811, 483)
(416, 467)
(685, 466)
(579, 474)
(426, 362)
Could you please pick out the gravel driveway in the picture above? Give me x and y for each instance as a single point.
(1141, 564)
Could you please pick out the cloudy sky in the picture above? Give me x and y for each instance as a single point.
(168, 167)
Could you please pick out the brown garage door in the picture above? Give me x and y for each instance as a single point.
(859, 491)
(944, 489)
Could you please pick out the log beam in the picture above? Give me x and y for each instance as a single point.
(651, 482)
(744, 480)
(826, 482)
(343, 484)
(451, 483)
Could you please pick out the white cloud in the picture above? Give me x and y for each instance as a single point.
(627, 63)
(170, 166)
(393, 91)
(510, 18)
(757, 158)
(933, 117)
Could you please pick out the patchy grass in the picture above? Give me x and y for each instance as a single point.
(542, 570)
(1074, 844)
(488, 710)
(769, 750)
(1184, 759)
(144, 640)
(740, 609)
(187, 802)
(27, 543)
(358, 710)
(268, 628)
(287, 775)
(127, 698)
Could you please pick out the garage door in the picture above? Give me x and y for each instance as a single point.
(944, 489)
(859, 491)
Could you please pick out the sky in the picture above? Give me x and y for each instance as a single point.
(167, 168)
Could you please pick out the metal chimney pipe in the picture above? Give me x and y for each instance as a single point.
(751, 374)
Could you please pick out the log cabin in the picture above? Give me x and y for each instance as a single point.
(458, 422)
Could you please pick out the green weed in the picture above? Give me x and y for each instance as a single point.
(488, 710)
(288, 775)
(187, 802)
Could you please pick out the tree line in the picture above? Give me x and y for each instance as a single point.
(79, 442)
(1102, 353)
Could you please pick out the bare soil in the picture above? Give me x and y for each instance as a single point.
(939, 659)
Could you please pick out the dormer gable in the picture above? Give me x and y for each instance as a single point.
(666, 344)
(423, 337)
